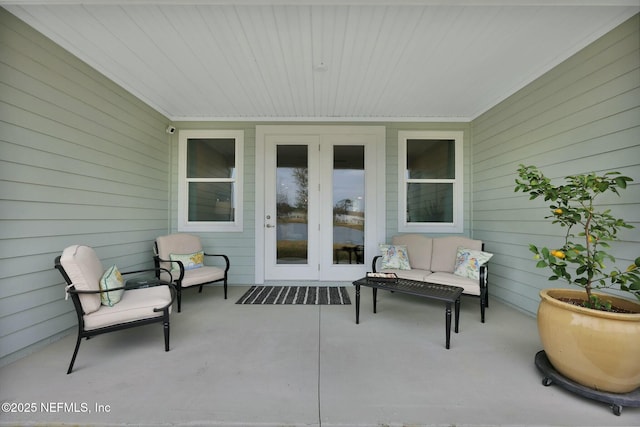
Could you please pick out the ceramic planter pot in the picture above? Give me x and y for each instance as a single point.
(597, 349)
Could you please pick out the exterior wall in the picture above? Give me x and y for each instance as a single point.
(582, 116)
(81, 161)
(241, 246)
(392, 170)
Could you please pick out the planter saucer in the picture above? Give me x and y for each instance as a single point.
(616, 400)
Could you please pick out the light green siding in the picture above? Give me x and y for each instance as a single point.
(582, 116)
(81, 162)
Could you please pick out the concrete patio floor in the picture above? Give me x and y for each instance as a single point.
(240, 365)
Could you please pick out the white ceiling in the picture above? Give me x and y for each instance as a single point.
(323, 60)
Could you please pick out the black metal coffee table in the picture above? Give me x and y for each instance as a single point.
(448, 294)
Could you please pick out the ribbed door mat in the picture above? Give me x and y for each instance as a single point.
(309, 295)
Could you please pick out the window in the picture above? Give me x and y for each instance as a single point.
(430, 181)
(210, 180)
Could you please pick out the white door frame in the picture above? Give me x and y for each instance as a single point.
(377, 195)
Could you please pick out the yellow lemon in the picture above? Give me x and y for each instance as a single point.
(558, 211)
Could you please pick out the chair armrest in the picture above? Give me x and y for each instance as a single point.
(71, 289)
(180, 264)
(172, 290)
(374, 262)
(484, 275)
(226, 260)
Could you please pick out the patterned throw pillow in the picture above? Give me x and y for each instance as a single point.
(395, 257)
(189, 261)
(111, 279)
(468, 262)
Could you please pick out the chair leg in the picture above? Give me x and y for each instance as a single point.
(225, 288)
(165, 325)
(75, 353)
(179, 296)
(482, 307)
(200, 289)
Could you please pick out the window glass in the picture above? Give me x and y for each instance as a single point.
(211, 201)
(430, 203)
(210, 158)
(430, 159)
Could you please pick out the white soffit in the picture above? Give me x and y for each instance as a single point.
(323, 60)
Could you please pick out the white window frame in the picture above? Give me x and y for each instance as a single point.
(457, 226)
(183, 182)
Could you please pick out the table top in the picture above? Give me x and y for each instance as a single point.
(413, 287)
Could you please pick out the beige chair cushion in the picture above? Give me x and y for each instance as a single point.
(470, 286)
(136, 304)
(197, 276)
(84, 269)
(445, 250)
(179, 243)
(418, 248)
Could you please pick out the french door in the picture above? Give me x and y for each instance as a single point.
(319, 218)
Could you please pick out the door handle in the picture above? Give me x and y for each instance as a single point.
(269, 226)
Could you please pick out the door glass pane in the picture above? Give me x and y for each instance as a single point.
(430, 203)
(292, 204)
(430, 159)
(348, 204)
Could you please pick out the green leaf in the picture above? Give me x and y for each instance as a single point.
(621, 182)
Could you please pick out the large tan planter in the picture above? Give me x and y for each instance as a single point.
(597, 349)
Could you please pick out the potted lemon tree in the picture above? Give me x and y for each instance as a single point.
(589, 336)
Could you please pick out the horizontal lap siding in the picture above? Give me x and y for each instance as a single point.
(81, 162)
(582, 116)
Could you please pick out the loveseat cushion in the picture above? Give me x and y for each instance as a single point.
(418, 249)
(445, 250)
(469, 286)
(413, 274)
(136, 304)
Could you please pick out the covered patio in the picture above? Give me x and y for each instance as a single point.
(303, 366)
(87, 160)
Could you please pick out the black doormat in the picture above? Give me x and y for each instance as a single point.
(309, 295)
